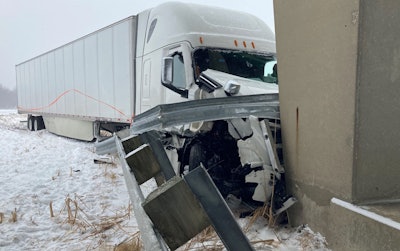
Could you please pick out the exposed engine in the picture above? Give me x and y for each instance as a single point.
(226, 149)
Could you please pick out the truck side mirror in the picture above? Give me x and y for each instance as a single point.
(167, 70)
(167, 76)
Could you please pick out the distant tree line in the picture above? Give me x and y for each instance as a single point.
(8, 98)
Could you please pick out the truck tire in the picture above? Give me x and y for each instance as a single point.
(38, 123)
(30, 123)
(35, 124)
(197, 155)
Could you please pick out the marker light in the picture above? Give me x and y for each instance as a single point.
(232, 88)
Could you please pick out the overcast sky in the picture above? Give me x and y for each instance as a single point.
(29, 28)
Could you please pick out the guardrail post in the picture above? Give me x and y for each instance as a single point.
(220, 215)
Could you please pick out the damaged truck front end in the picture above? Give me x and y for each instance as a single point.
(234, 136)
(222, 149)
(234, 153)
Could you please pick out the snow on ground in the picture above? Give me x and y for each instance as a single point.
(54, 197)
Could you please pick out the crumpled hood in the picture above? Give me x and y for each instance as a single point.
(247, 86)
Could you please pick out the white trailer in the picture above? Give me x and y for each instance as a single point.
(88, 80)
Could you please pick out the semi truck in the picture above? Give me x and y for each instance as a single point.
(172, 54)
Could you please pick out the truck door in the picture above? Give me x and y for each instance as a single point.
(145, 90)
(150, 91)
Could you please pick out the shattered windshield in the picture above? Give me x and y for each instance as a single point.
(260, 67)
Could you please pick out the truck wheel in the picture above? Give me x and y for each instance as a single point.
(38, 123)
(35, 124)
(30, 123)
(197, 155)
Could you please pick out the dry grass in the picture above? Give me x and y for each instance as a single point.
(13, 216)
(76, 216)
(57, 174)
(111, 175)
(306, 240)
(92, 227)
(264, 212)
(132, 244)
(76, 213)
(51, 209)
(109, 169)
(72, 212)
(309, 240)
(209, 240)
(205, 240)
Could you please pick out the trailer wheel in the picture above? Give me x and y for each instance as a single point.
(38, 123)
(30, 123)
(197, 155)
(35, 124)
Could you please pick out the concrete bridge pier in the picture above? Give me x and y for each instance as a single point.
(339, 80)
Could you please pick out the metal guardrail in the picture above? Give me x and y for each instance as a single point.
(151, 239)
(164, 116)
(220, 215)
(168, 115)
(107, 146)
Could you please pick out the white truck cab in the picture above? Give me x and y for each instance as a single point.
(182, 40)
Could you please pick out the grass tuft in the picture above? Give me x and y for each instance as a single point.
(132, 244)
(13, 216)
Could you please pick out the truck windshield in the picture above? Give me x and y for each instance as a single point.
(260, 67)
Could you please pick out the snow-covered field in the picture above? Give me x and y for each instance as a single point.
(54, 197)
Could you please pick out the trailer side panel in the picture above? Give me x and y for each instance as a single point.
(91, 78)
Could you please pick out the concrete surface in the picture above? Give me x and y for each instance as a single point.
(339, 81)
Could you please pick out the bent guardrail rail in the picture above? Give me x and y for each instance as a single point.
(168, 115)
